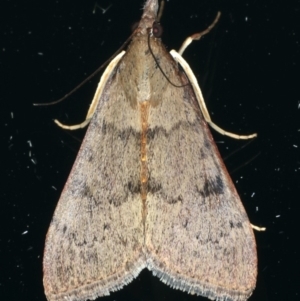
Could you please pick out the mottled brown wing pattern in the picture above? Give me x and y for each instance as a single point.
(95, 240)
(198, 236)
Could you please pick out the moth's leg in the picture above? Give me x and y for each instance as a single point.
(197, 36)
(258, 228)
(200, 98)
(104, 78)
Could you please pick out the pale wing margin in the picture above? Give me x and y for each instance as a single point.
(94, 243)
(195, 215)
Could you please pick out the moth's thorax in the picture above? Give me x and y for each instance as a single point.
(145, 78)
(142, 77)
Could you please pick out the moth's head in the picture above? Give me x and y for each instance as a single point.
(149, 17)
(151, 6)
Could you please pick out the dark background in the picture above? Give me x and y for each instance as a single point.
(248, 68)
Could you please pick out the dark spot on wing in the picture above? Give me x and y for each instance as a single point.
(235, 224)
(212, 187)
(134, 188)
(87, 191)
(207, 144)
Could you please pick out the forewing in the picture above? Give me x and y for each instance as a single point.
(94, 243)
(198, 236)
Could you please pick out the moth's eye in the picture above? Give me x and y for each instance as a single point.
(157, 29)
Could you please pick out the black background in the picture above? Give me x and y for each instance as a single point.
(248, 68)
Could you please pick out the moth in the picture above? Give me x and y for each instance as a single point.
(148, 188)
